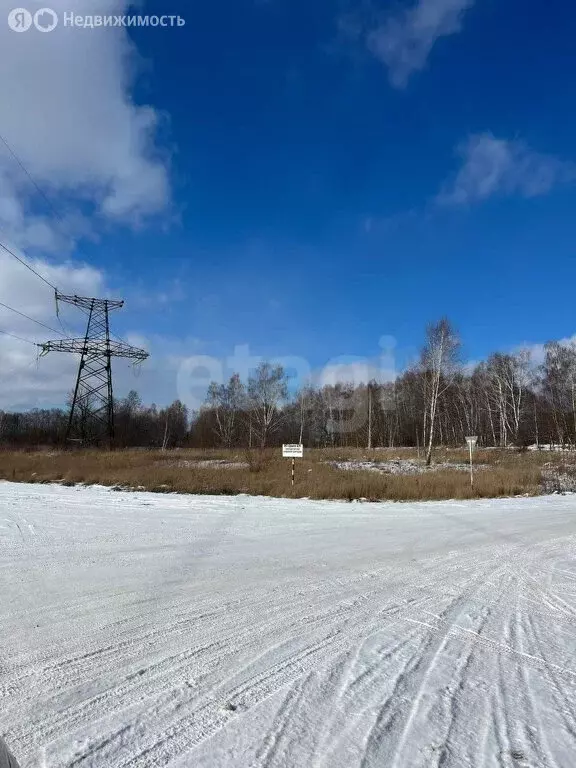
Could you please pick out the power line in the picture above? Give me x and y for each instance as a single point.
(36, 186)
(16, 311)
(12, 336)
(48, 283)
(28, 266)
(56, 214)
(41, 192)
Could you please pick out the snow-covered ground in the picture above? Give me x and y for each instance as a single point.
(150, 630)
(550, 447)
(205, 464)
(402, 466)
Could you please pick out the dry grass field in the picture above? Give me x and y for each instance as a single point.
(499, 473)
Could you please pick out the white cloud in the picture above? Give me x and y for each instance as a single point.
(404, 42)
(26, 381)
(29, 381)
(492, 166)
(66, 108)
(537, 351)
(362, 372)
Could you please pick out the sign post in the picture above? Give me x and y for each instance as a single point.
(293, 451)
(472, 441)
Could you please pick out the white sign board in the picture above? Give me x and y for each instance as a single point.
(294, 451)
(472, 441)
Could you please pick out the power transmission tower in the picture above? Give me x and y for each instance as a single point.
(92, 411)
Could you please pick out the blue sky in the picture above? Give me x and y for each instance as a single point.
(340, 171)
(306, 180)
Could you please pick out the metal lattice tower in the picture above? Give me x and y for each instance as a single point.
(91, 418)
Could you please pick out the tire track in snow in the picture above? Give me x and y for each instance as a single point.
(341, 696)
(172, 703)
(219, 721)
(363, 660)
(251, 631)
(536, 739)
(369, 615)
(75, 671)
(108, 656)
(400, 729)
(456, 688)
(271, 686)
(272, 745)
(203, 722)
(566, 701)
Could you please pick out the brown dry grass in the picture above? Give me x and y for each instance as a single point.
(508, 473)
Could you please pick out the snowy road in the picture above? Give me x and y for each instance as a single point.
(148, 630)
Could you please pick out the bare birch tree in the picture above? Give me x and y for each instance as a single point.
(226, 402)
(439, 361)
(370, 387)
(267, 390)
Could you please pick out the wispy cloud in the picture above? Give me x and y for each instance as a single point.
(492, 166)
(404, 41)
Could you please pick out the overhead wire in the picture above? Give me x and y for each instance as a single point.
(5, 247)
(64, 332)
(38, 322)
(36, 186)
(13, 336)
(57, 215)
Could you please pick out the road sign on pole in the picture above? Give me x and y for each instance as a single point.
(293, 451)
(472, 442)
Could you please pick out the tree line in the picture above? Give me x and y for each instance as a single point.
(506, 400)
(135, 425)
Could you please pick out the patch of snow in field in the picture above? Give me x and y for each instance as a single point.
(550, 447)
(402, 466)
(227, 632)
(559, 479)
(206, 464)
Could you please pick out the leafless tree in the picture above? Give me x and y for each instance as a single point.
(439, 361)
(508, 377)
(267, 390)
(226, 402)
(370, 389)
(558, 374)
(175, 419)
(505, 400)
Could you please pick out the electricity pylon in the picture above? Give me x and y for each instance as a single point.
(91, 417)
